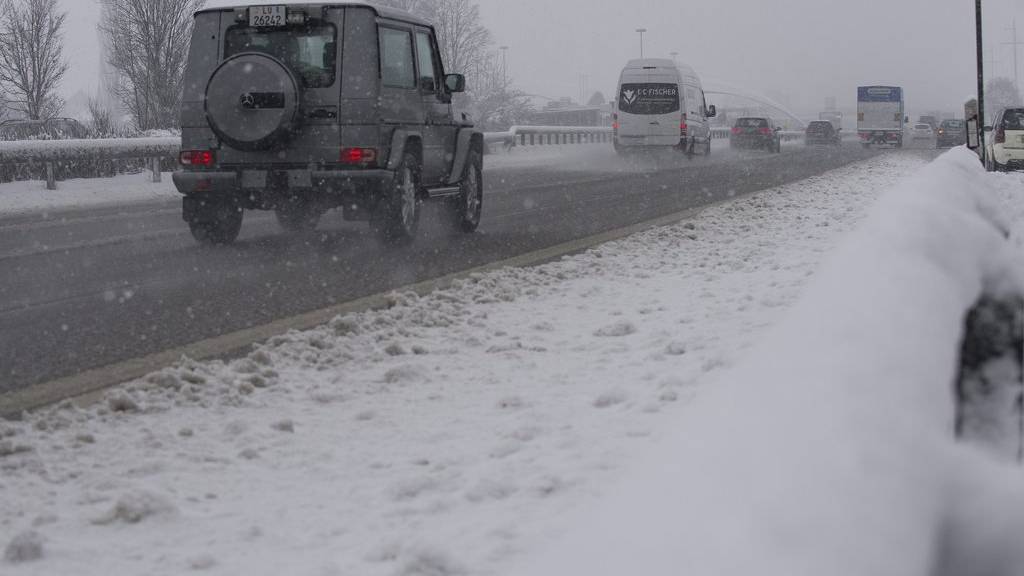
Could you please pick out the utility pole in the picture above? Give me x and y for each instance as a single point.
(981, 79)
(1015, 45)
(504, 66)
(641, 31)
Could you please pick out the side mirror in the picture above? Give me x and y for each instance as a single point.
(712, 111)
(455, 83)
(778, 128)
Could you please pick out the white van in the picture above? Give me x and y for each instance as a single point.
(661, 104)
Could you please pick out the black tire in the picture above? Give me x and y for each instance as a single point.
(216, 223)
(397, 216)
(298, 216)
(465, 210)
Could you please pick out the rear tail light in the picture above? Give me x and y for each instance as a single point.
(196, 158)
(615, 122)
(1000, 137)
(766, 131)
(736, 130)
(682, 126)
(363, 156)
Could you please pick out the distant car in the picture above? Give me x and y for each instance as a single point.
(931, 121)
(51, 129)
(822, 132)
(1005, 146)
(951, 133)
(756, 133)
(922, 131)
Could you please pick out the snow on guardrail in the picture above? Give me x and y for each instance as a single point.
(831, 451)
(156, 149)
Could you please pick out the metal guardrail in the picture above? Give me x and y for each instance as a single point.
(550, 135)
(50, 153)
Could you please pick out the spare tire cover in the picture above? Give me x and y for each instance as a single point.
(252, 101)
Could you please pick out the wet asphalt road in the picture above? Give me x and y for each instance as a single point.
(85, 289)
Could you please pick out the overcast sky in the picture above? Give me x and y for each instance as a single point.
(801, 49)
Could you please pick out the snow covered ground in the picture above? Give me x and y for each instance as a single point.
(31, 197)
(459, 433)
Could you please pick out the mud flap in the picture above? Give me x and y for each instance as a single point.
(467, 138)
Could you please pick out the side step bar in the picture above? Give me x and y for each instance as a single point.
(444, 192)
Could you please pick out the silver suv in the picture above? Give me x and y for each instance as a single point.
(307, 107)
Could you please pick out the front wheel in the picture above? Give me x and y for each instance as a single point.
(397, 216)
(215, 223)
(465, 209)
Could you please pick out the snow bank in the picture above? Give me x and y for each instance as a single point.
(830, 450)
(448, 434)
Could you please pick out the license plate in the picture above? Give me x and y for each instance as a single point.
(268, 16)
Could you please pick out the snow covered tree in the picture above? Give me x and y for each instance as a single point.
(494, 101)
(1000, 93)
(147, 44)
(32, 62)
(597, 99)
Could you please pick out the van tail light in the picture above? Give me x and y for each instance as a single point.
(1000, 137)
(682, 126)
(196, 158)
(615, 123)
(360, 156)
(766, 131)
(736, 130)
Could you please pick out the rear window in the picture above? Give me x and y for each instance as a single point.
(1014, 119)
(923, 127)
(820, 125)
(752, 123)
(649, 99)
(953, 124)
(310, 50)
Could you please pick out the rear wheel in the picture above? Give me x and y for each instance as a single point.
(397, 216)
(464, 210)
(215, 223)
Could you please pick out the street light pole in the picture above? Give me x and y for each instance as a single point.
(641, 31)
(981, 81)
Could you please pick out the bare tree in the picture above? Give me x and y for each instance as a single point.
(462, 37)
(495, 102)
(32, 62)
(147, 44)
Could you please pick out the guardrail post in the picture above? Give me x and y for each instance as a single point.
(532, 142)
(51, 181)
(155, 166)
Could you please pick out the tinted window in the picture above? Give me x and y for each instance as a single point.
(953, 124)
(1014, 119)
(752, 123)
(649, 99)
(396, 63)
(425, 59)
(310, 51)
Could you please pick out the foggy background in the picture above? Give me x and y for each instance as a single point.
(796, 51)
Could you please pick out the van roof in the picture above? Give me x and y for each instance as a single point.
(648, 63)
(383, 12)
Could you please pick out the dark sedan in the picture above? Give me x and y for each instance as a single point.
(756, 133)
(822, 132)
(951, 133)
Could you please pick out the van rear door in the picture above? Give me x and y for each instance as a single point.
(649, 109)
